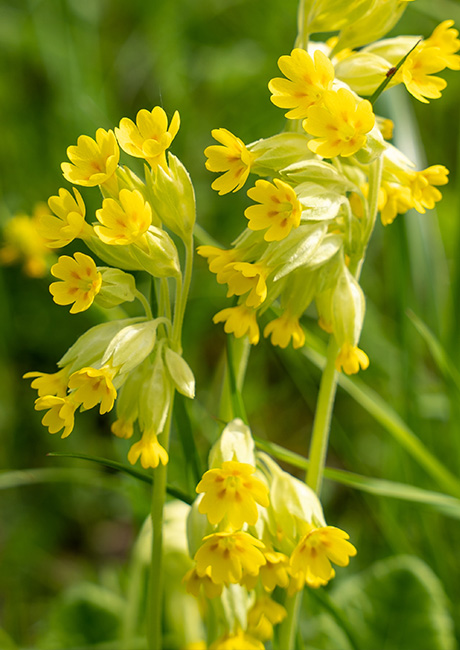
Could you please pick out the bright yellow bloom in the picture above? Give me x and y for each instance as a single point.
(307, 81)
(340, 124)
(61, 414)
(446, 40)
(123, 221)
(248, 277)
(94, 162)
(23, 243)
(386, 127)
(49, 383)
(81, 282)
(238, 641)
(229, 557)
(193, 584)
(314, 553)
(421, 184)
(232, 492)
(232, 158)
(279, 209)
(149, 450)
(272, 574)
(93, 386)
(397, 199)
(122, 428)
(350, 359)
(263, 615)
(220, 261)
(285, 328)
(417, 71)
(239, 321)
(69, 222)
(150, 136)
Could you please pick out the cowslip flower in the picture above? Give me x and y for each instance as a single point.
(194, 583)
(232, 492)
(123, 221)
(263, 615)
(61, 413)
(446, 40)
(220, 261)
(150, 136)
(49, 383)
(149, 450)
(92, 386)
(274, 573)
(238, 640)
(68, 221)
(339, 125)
(279, 210)
(283, 329)
(23, 243)
(421, 185)
(396, 199)
(122, 428)
(351, 359)
(239, 321)
(229, 556)
(245, 277)
(316, 550)
(93, 162)
(81, 282)
(308, 78)
(231, 157)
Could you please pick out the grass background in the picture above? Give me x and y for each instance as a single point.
(68, 67)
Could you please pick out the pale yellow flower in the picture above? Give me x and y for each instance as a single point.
(81, 282)
(263, 615)
(351, 359)
(239, 321)
(149, 450)
(220, 261)
(68, 222)
(23, 243)
(49, 383)
(246, 277)
(194, 583)
(284, 329)
(238, 640)
(229, 556)
(61, 414)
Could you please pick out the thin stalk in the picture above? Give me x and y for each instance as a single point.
(182, 291)
(302, 24)
(145, 303)
(288, 629)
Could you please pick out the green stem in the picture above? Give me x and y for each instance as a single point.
(145, 303)
(288, 629)
(302, 27)
(182, 291)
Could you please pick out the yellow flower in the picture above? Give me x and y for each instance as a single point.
(81, 282)
(279, 209)
(417, 71)
(149, 450)
(193, 584)
(61, 414)
(228, 557)
(236, 641)
(49, 384)
(285, 328)
(272, 574)
(397, 199)
(232, 158)
(350, 359)
(23, 243)
(263, 615)
(421, 183)
(314, 553)
(307, 80)
(220, 261)
(93, 386)
(123, 221)
(239, 320)
(122, 428)
(248, 277)
(340, 124)
(446, 40)
(150, 136)
(94, 162)
(69, 222)
(231, 492)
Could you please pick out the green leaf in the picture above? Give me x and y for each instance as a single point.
(184, 428)
(390, 74)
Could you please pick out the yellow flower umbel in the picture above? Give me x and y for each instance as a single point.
(149, 137)
(239, 321)
(285, 328)
(61, 414)
(307, 80)
(232, 157)
(81, 282)
(228, 557)
(149, 450)
(340, 124)
(93, 162)
(93, 386)
(232, 493)
(68, 222)
(279, 210)
(124, 221)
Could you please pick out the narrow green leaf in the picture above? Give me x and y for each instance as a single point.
(238, 408)
(184, 429)
(390, 74)
(10, 479)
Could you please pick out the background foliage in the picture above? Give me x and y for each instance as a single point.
(71, 66)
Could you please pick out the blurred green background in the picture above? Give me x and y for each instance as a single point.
(68, 67)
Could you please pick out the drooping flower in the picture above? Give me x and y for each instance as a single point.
(285, 328)
(245, 277)
(232, 492)
(49, 383)
(81, 282)
(69, 220)
(92, 162)
(274, 573)
(220, 261)
(340, 124)
(424, 194)
(122, 428)
(238, 640)
(123, 221)
(263, 615)
(231, 157)
(307, 80)
(149, 450)
(61, 414)
(194, 583)
(93, 386)
(446, 40)
(351, 359)
(229, 556)
(417, 73)
(396, 200)
(150, 136)
(239, 321)
(279, 210)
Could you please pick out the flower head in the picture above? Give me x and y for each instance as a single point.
(397, 199)
(150, 136)
(340, 124)
(421, 185)
(220, 261)
(92, 162)
(307, 80)
(231, 157)
(417, 73)
(49, 384)
(149, 450)
(122, 428)
(69, 222)
(81, 282)
(274, 573)
(228, 557)
(123, 221)
(351, 359)
(232, 492)
(279, 210)
(61, 414)
(93, 386)
(239, 321)
(285, 328)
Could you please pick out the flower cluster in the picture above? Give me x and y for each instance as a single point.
(133, 363)
(263, 529)
(325, 179)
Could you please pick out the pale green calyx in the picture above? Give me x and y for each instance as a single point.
(180, 373)
(235, 443)
(117, 287)
(131, 345)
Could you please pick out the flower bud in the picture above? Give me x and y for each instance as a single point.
(131, 346)
(348, 307)
(155, 396)
(279, 151)
(117, 287)
(235, 443)
(180, 373)
(160, 258)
